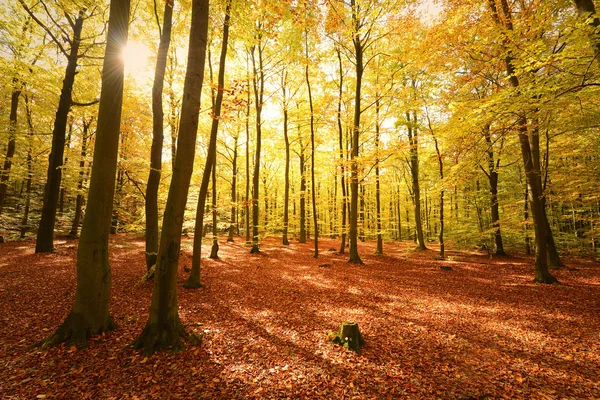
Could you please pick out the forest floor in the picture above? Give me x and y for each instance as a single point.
(480, 330)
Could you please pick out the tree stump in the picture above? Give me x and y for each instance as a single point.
(348, 336)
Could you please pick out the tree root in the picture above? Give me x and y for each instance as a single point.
(168, 336)
(192, 283)
(76, 330)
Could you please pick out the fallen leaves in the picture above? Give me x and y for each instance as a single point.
(483, 330)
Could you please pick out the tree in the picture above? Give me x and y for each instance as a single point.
(89, 314)
(534, 183)
(164, 328)
(45, 236)
(157, 137)
(194, 279)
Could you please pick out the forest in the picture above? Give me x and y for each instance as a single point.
(299, 199)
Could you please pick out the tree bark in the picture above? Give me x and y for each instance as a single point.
(312, 150)
(233, 224)
(379, 249)
(302, 238)
(157, 138)
(286, 201)
(534, 183)
(25, 219)
(414, 172)
(89, 314)
(12, 140)
(164, 329)
(193, 280)
(359, 69)
(492, 175)
(214, 251)
(79, 201)
(45, 237)
(259, 88)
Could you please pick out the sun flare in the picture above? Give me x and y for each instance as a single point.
(135, 55)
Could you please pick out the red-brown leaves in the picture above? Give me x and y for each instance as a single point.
(482, 328)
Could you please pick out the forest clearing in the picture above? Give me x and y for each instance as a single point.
(480, 330)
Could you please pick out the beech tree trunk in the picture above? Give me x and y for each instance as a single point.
(342, 152)
(312, 151)
(414, 172)
(286, 201)
(259, 89)
(302, 191)
(359, 69)
(157, 138)
(25, 219)
(45, 237)
(214, 251)
(79, 202)
(247, 202)
(89, 314)
(164, 329)
(534, 182)
(492, 175)
(193, 280)
(233, 224)
(12, 140)
(379, 249)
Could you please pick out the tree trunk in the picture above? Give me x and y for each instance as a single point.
(379, 249)
(193, 280)
(25, 219)
(164, 329)
(312, 151)
(157, 138)
(492, 175)
(286, 201)
(79, 202)
(414, 172)
(233, 224)
(302, 191)
(342, 151)
(89, 314)
(259, 88)
(359, 68)
(12, 140)
(214, 251)
(247, 202)
(45, 237)
(534, 183)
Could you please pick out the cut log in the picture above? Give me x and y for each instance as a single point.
(348, 336)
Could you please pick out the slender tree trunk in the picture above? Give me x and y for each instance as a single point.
(526, 218)
(12, 140)
(554, 260)
(157, 138)
(193, 280)
(379, 249)
(286, 206)
(247, 202)
(214, 251)
(312, 151)
(492, 175)
(25, 219)
(414, 171)
(259, 88)
(164, 329)
(534, 183)
(233, 225)
(45, 237)
(302, 191)
(342, 152)
(89, 314)
(79, 202)
(359, 68)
